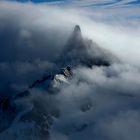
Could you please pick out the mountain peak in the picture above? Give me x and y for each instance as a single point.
(77, 32)
(77, 29)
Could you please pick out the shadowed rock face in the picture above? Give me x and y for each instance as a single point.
(78, 51)
(81, 51)
(7, 113)
(77, 32)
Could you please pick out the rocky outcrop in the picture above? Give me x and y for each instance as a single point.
(82, 51)
(78, 51)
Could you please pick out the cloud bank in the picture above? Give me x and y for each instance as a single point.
(99, 103)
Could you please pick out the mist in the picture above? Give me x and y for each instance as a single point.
(99, 102)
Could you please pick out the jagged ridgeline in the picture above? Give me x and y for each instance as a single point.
(78, 51)
(82, 51)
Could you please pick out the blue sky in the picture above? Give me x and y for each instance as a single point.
(87, 2)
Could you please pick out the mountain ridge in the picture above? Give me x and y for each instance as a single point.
(78, 51)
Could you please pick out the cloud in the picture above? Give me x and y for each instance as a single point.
(99, 103)
(29, 41)
(123, 126)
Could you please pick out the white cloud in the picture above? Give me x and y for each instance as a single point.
(99, 100)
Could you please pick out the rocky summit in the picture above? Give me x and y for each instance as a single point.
(41, 108)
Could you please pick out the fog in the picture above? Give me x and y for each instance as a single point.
(100, 103)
